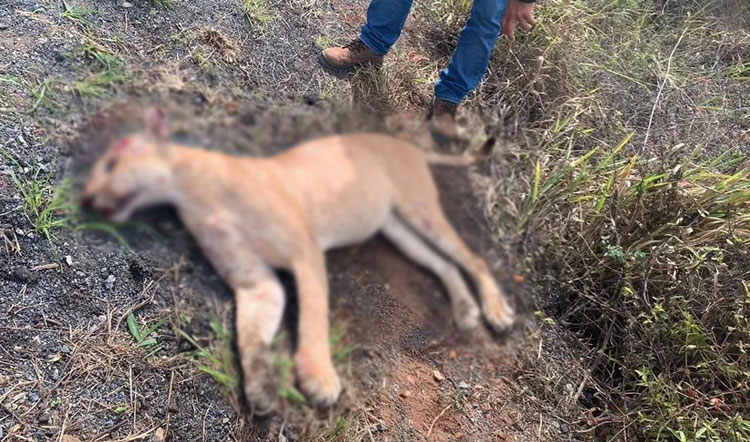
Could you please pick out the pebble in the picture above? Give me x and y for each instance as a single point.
(463, 385)
(43, 418)
(32, 397)
(65, 349)
(406, 393)
(126, 5)
(3, 26)
(110, 282)
(159, 435)
(69, 260)
(438, 376)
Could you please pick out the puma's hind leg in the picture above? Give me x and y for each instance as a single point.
(428, 219)
(465, 309)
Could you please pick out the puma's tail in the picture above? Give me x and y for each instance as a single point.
(468, 159)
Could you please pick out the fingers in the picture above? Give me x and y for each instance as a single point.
(509, 27)
(513, 18)
(527, 20)
(504, 25)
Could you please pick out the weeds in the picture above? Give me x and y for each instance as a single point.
(106, 70)
(216, 360)
(653, 255)
(144, 337)
(77, 15)
(47, 206)
(167, 5)
(258, 13)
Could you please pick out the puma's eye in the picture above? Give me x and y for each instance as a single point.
(110, 164)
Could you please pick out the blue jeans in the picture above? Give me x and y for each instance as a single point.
(385, 19)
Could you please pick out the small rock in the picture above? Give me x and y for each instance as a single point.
(110, 282)
(225, 420)
(405, 393)
(159, 435)
(463, 385)
(32, 397)
(126, 5)
(452, 354)
(68, 260)
(21, 274)
(4, 379)
(65, 349)
(475, 405)
(438, 376)
(381, 427)
(3, 26)
(43, 418)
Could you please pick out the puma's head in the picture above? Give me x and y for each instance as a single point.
(134, 172)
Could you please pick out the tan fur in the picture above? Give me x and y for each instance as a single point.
(251, 215)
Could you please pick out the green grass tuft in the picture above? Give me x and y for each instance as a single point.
(258, 13)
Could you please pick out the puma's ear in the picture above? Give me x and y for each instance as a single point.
(156, 124)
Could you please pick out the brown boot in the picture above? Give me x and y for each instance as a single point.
(342, 60)
(442, 123)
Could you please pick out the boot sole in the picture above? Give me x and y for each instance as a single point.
(342, 71)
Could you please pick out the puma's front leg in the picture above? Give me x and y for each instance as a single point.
(259, 311)
(315, 371)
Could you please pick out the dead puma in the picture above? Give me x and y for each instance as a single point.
(251, 215)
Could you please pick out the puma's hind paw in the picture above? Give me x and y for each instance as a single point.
(318, 380)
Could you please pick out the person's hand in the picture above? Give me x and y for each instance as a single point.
(517, 13)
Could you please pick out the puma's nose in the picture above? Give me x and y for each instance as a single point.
(87, 202)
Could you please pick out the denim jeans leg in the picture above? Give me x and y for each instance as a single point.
(385, 20)
(472, 55)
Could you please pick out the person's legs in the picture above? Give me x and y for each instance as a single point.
(473, 51)
(385, 20)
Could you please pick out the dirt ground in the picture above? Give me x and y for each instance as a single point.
(68, 364)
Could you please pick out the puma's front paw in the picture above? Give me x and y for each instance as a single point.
(466, 314)
(259, 385)
(318, 379)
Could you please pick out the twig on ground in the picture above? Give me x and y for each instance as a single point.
(429, 430)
